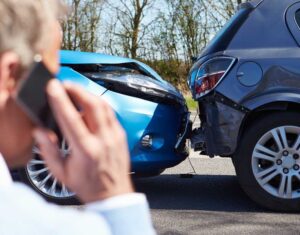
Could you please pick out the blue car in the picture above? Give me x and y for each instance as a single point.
(153, 113)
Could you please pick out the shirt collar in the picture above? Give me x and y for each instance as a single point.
(5, 177)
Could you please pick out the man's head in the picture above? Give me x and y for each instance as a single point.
(27, 28)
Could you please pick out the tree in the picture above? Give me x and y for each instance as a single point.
(189, 19)
(163, 33)
(80, 29)
(131, 25)
(223, 9)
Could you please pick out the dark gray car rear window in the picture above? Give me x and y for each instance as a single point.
(222, 39)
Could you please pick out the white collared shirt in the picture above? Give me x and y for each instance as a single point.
(22, 211)
(5, 178)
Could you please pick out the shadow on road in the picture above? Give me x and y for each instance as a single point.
(202, 192)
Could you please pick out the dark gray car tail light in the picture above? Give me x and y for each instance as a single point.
(210, 75)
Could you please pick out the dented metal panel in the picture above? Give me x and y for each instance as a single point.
(221, 128)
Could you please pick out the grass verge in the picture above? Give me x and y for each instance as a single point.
(192, 105)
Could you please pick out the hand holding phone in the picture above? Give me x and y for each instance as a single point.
(32, 97)
(99, 154)
(98, 166)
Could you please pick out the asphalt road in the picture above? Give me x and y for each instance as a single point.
(211, 202)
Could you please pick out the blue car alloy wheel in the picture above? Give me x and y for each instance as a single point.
(152, 112)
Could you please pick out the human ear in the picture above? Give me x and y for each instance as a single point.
(9, 72)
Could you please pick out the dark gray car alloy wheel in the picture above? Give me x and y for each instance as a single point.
(268, 161)
(280, 160)
(37, 175)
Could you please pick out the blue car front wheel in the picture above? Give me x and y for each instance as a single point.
(37, 175)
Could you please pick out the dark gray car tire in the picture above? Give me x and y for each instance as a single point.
(244, 163)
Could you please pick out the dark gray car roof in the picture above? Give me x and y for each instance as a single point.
(266, 27)
(265, 38)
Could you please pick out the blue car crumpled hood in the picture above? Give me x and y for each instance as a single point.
(77, 58)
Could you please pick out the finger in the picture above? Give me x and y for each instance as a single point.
(113, 124)
(92, 106)
(97, 113)
(110, 115)
(68, 118)
(47, 143)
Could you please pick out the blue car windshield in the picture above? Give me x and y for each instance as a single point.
(222, 39)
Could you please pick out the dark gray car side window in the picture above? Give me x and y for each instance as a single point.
(297, 17)
(293, 21)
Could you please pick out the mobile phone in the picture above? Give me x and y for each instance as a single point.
(32, 97)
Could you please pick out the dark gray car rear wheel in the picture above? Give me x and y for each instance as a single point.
(268, 163)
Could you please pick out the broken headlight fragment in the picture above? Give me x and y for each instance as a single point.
(137, 85)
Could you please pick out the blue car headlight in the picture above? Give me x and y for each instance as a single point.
(138, 82)
(138, 85)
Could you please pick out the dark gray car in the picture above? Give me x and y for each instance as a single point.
(247, 83)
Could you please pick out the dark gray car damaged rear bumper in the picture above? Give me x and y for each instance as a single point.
(221, 120)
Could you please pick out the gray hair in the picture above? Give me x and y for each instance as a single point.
(25, 25)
